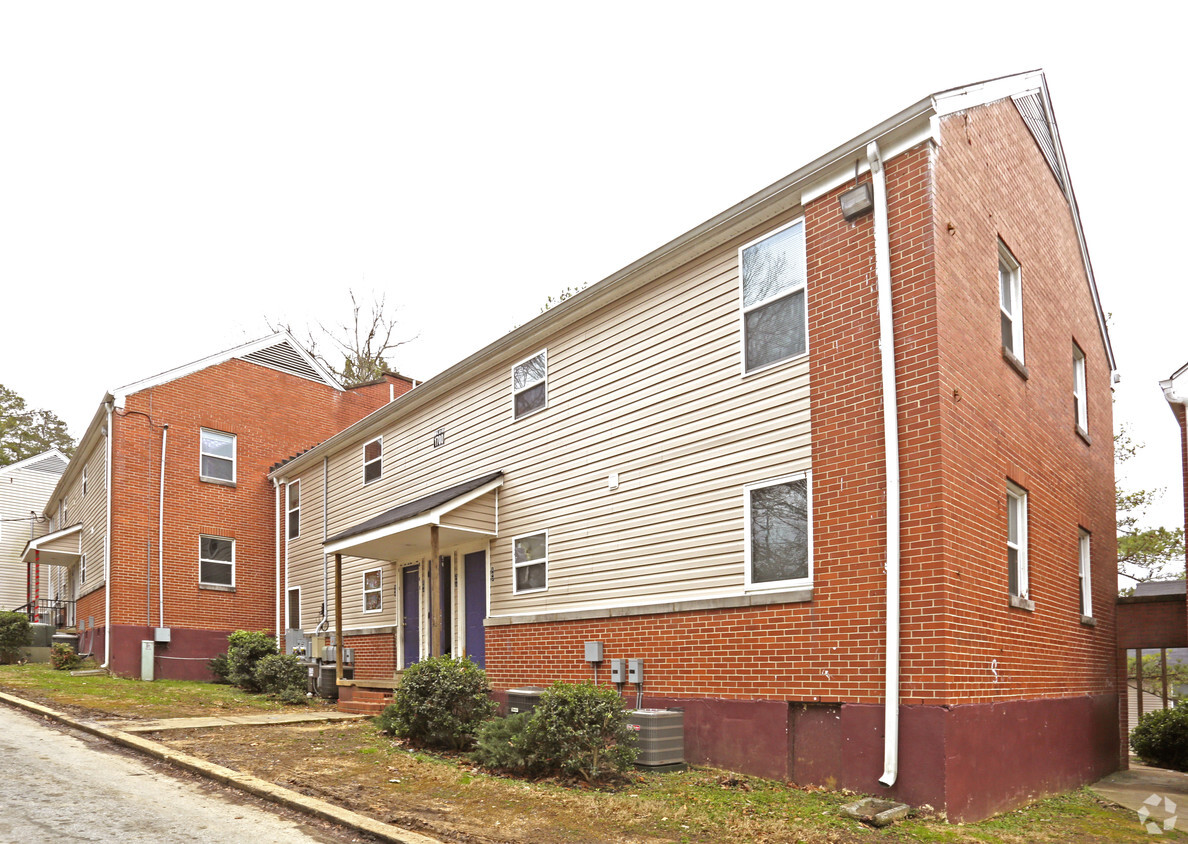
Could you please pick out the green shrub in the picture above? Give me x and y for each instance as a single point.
(1161, 738)
(220, 667)
(500, 745)
(244, 650)
(440, 703)
(580, 731)
(63, 657)
(282, 675)
(15, 633)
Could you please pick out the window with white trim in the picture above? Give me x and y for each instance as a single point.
(373, 590)
(293, 608)
(530, 562)
(1016, 499)
(1086, 580)
(373, 460)
(293, 509)
(1010, 301)
(82, 569)
(530, 385)
(779, 532)
(84, 479)
(217, 456)
(216, 561)
(772, 286)
(1080, 402)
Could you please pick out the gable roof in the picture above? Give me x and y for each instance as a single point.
(896, 134)
(51, 461)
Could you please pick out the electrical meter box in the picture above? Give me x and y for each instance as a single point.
(635, 671)
(618, 669)
(593, 651)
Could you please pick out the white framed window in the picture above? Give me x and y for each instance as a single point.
(1080, 402)
(1086, 581)
(1016, 499)
(82, 569)
(217, 456)
(373, 460)
(772, 281)
(1010, 301)
(65, 512)
(530, 562)
(293, 510)
(530, 391)
(84, 479)
(216, 561)
(293, 609)
(779, 546)
(373, 590)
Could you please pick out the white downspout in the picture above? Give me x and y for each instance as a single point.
(107, 548)
(891, 445)
(161, 532)
(276, 518)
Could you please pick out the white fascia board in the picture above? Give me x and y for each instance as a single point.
(982, 93)
(896, 141)
(52, 452)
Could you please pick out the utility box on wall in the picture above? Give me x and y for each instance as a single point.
(618, 668)
(148, 651)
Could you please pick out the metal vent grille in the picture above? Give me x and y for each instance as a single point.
(1031, 108)
(53, 464)
(285, 358)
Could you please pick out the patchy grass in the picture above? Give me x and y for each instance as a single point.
(116, 697)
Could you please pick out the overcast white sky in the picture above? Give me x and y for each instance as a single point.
(172, 174)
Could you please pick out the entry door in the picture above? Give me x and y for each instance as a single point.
(476, 607)
(411, 612)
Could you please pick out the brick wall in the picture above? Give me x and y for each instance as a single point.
(375, 655)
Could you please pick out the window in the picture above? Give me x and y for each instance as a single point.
(530, 559)
(84, 479)
(216, 561)
(294, 609)
(82, 569)
(373, 590)
(772, 277)
(1017, 541)
(779, 546)
(65, 512)
(1086, 581)
(373, 460)
(218, 456)
(1010, 293)
(294, 510)
(1080, 405)
(530, 385)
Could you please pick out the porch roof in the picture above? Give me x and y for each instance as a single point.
(60, 548)
(406, 528)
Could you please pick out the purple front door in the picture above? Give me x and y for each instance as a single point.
(411, 612)
(476, 607)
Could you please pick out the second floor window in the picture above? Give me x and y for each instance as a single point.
(530, 385)
(217, 456)
(774, 316)
(1080, 401)
(1010, 305)
(373, 460)
(294, 508)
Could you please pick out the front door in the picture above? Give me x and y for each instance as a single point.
(411, 612)
(476, 607)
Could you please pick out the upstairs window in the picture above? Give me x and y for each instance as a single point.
(1010, 296)
(216, 561)
(774, 318)
(1086, 581)
(217, 454)
(530, 557)
(373, 460)
(530, 385)
(1017, 541)
(82, 570)
(1080, 403)
(84, 480)
(294, 510)
(779, 548)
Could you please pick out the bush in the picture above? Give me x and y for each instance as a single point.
(1161, 738)
(244, 650)
(282, 675)
(220, 667)
(63, 657)
(500, 744)
(580, 730)
(440, 703)
(15, 633)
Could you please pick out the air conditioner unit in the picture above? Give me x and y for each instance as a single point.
(660, 737)
(523, 700)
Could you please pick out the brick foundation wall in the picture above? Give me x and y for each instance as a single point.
(375, 655)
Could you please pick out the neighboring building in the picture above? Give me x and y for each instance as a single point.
(25, 486)
(688, 463)
(161, 523)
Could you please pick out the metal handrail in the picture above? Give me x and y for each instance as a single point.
(55, 611)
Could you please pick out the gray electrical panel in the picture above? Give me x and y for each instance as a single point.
(593, 651)
(618, 669)
(635, 671)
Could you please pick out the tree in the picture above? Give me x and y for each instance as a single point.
(567, 293)
(25, 432)
(1143, 553)
(365, 344)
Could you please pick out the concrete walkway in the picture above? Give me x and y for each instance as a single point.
(204, 721)
(1162, 793)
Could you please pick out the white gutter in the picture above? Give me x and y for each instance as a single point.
(161, 531)
(107, 547)
(276, 519)
(891, 446)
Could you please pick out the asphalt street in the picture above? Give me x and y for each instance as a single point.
(57, 786)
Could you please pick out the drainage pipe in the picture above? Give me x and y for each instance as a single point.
(107, 546)
(161, 531)
(276, 519)
(891, 446)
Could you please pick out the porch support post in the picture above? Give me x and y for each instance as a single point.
(436, 610)
(1138, 670)
(338, 617)
(1163, 670)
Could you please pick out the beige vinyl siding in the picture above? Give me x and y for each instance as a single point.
(303, 555)
(649, 387)
(476, 515)
(91, 511)
(22, 491)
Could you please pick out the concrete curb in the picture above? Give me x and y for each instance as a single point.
(244, 782)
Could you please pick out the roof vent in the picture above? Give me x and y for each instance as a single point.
(284, 358)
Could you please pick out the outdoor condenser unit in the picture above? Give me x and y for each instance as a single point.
(523, 700)
(661, 736)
